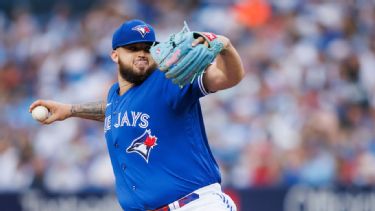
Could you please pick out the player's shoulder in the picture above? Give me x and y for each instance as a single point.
(158, 74)
(113, 88)
(157, 77)
(112, 91)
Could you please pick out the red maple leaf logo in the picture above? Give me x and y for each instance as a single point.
(150, 141)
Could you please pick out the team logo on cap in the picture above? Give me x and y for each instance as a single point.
(142, 29)
(143, 145)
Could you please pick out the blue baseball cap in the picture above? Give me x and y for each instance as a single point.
(133, 31)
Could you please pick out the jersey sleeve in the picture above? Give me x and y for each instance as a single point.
(183, 98)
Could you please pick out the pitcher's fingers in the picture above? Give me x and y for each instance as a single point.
(197, 41)
(47, 103)
(35, 104)
(50, 119)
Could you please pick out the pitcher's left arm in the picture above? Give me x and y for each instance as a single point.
(227, 71)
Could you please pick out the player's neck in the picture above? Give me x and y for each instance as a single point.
(124, 86)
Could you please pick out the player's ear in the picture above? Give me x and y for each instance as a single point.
(114, 56)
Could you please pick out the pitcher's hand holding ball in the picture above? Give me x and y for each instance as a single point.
(47, 111)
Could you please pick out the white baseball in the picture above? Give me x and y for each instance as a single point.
(40, 113)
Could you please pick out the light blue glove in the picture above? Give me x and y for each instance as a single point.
(180, 60)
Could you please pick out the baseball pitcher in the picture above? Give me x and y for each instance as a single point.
(152, 117)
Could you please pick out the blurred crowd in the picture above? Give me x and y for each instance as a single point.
(304, 113)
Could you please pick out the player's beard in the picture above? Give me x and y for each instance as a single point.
(129, 73)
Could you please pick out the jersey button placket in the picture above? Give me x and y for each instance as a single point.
(115, 103)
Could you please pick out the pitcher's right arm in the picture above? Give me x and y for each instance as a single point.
(61, 111)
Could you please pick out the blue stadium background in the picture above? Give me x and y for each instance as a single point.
(298, 133)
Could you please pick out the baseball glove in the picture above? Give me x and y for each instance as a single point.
(182, 62)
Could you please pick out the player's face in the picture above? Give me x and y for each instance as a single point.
(135, 62)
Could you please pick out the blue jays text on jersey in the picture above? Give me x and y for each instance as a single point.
(157, 142)
(128, 119)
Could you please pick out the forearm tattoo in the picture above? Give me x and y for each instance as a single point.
(93, 111)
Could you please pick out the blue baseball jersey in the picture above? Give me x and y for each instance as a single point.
(157, 142)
